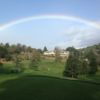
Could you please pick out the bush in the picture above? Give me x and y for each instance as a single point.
(16, 70)
(8, 57)
(34, 65)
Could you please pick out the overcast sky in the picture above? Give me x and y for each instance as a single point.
(50, 32)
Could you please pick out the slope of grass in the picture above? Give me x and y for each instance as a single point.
(49, 68)
(42, 84)
(46, 67)
(46, 88)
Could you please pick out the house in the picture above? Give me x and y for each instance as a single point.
(64, 53)
(52, 53)
(49, 53)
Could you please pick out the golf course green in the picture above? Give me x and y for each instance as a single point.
(37, 87)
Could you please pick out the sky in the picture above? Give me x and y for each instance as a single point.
(50, 32)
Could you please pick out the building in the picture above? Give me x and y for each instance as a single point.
(64, 53)
(52, 53)
(49, 53)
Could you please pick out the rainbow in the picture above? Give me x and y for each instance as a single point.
(56, 17)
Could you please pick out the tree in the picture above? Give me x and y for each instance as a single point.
(8, 57)
(45, 49)
(7, 45)
(85, 67)
(57, 54)
(18, 48)
(71, 67)
(3, 52)
(73, 51)
(29, 49)
(40, 51)
(35, 58)
(92, 62)
(18, 67)
(72, 64)
(93, 66)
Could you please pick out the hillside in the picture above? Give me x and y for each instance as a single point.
(46, 88)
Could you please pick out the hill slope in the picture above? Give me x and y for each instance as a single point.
(47, 88)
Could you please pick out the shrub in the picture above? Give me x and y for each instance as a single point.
(15, 70)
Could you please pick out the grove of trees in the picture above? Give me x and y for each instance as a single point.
(17, 54)
(82, 61)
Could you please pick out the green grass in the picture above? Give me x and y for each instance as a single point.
(49, 68)
(47, 84)
(34, 87)
(95, 78)
(46, 67)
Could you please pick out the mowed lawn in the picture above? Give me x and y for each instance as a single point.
(45, 67)
(45, 84)
(36, 87)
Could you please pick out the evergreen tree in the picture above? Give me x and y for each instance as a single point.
(57, 54)
(35, 58)
(45, 49)
(18, 66)
(92, 62)
(72, 64)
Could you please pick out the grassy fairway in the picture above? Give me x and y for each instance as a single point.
(45, 67)
(46, 88)
(42, 84)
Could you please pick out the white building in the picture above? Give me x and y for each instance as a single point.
(64, 53)
(49, 53)
(52, 53)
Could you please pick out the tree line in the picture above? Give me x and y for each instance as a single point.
(84, 61)
(17, 53)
